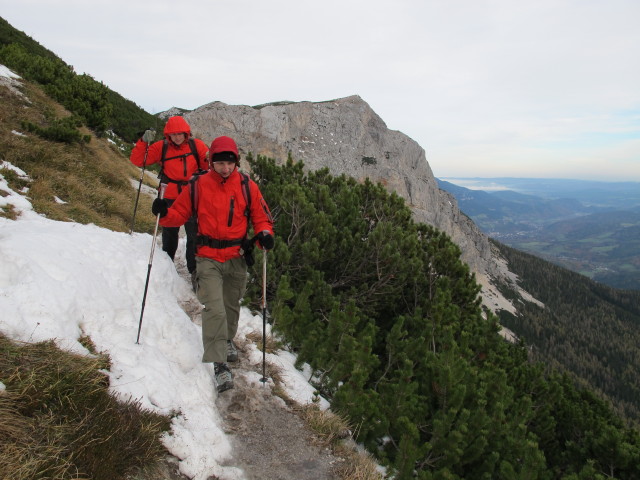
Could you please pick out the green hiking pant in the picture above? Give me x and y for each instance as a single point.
(221, 286)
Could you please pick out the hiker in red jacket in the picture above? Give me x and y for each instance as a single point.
(180, 156)
(223, 200)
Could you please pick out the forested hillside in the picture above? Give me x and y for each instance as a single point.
(586, 328)
(603, 246)
(92, 103)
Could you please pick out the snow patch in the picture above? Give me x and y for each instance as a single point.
(6, 72)
(9, 79)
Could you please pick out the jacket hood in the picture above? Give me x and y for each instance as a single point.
(177, 125)
(224, 144)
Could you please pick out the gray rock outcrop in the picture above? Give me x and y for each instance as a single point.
(348, 137)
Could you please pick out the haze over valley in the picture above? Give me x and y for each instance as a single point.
(590, 227)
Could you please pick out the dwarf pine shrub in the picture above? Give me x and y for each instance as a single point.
(389, 320)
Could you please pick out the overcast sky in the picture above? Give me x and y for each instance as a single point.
(489, 88)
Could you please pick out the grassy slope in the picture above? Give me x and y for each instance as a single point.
(94, 179)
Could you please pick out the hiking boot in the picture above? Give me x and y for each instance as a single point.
(194, 281)
(224, 379)
(232, 352)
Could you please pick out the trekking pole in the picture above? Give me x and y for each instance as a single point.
(135, 208)
(153, 247)
(264, 315)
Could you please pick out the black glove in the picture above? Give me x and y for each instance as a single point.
(266, 240)
(160, 207)
(246, 249)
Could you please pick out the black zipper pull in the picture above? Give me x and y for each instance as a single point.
(230, 222)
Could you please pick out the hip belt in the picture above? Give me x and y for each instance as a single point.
(203, 240)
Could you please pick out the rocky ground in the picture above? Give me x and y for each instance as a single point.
(269, 439)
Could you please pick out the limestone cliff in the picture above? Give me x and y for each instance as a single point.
(348, 137)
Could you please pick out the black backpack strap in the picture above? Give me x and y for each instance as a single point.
(165, 145)
(246, 192)
(215, 243)
(193, 187)
(246, 248)
(194, 150)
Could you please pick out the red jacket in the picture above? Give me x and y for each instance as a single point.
(179, 169)
(221, 212)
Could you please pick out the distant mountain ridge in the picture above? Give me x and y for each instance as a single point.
(507, 211)
(617, 195)
(591, 234)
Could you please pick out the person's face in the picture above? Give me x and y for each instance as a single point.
(224, 169)
(177, 138)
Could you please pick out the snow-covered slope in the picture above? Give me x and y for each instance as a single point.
(62, 280)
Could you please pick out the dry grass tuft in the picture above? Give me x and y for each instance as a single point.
(9, 212)
(335, 432)
(58, 421)
(271, 342)
(358, 466)
(331, 427)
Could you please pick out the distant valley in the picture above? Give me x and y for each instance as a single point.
(589, 227)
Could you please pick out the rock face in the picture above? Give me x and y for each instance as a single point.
(348, 137)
